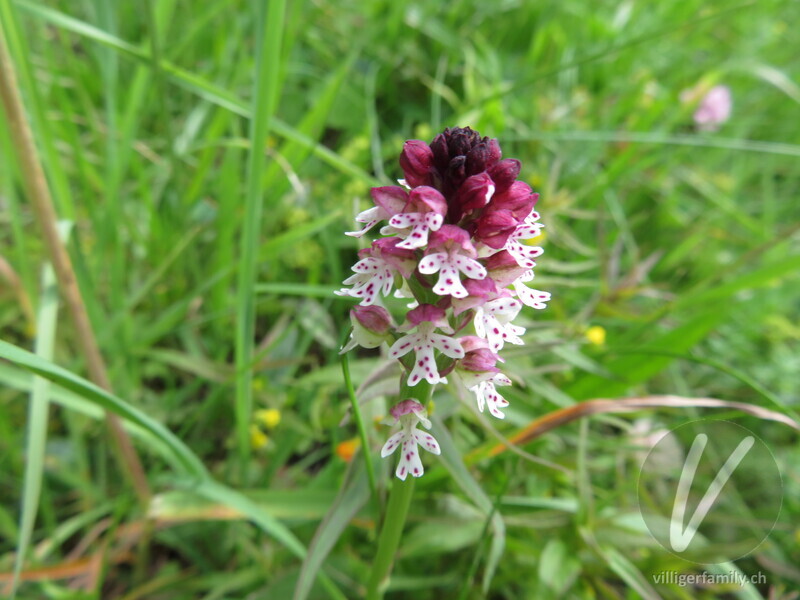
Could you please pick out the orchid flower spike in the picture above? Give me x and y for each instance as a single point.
(458, 240)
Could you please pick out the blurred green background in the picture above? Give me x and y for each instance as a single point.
(672, 256)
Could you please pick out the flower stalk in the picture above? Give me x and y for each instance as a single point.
(455, 249)
(389, 540)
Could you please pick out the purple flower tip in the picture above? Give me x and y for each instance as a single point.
(375, 319)
(406, 407)
(416, 160)
(452, 234)
(426, 313)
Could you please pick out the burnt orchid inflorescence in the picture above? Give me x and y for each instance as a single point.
(454, 244)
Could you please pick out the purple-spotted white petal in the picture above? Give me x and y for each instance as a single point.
(423, 343)
(492, 322)
(421, 223)
(487, 395)
(528, 296)
(372, 276)
(410, 413)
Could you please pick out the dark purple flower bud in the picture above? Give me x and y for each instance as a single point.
(456, 174)
(391, 198)
(504, 173)
(495, 227)
(460, 140)
(416, 160)
(441, 155)
(374, 319)
(483, 156)
(474, 194)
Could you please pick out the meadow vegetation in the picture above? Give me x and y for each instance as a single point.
(208, 272)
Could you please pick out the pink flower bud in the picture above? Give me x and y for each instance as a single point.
(518, 198)
(471, 343)
(416, 160)
(407, 407)
(474, 194)
(479, 290)
(371, 326)
(427, 312)
(391, 198)
(374, 319)
(481, 360)
(504, 268)
(451, 236)
(426, 199)
(495, 227)
(714, 109)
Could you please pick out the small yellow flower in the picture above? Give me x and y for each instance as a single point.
(257, 384)
(347, 449)
(258, 439)
(268, 417)
(596, 335)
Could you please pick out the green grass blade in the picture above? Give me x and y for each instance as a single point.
(19, 48)
(451, 459)
(179, 451)
(628, 572)
(22, 380)
(632, 370)
(297, 289)
(285, 241)
(35, 446)
(696, 141)
(265, 99)
(234, 499)
(201, 87)
(350, 500)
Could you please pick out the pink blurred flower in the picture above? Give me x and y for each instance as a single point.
(714, 109)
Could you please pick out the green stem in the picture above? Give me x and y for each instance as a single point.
(396, 511)
(362, 429)
(399, 501)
